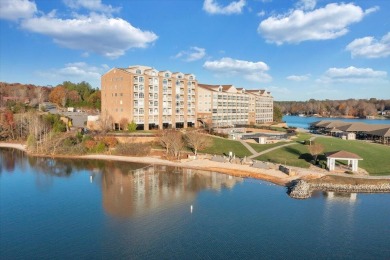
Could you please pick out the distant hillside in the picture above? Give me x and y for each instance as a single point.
(347, 108)
(63, 95)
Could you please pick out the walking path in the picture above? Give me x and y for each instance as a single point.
(253, 151)
(256, 154)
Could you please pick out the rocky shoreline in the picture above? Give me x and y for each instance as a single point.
(303, 189)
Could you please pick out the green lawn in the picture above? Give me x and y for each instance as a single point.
(262, 147)
(376, 157)
(302, 137)
(293, 155)
(224, 146)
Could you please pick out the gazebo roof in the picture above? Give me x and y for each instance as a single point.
(343, 155)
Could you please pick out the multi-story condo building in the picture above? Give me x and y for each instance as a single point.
(226, 105)
(261, 107)
(150, 98)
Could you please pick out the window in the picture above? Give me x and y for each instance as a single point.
(141, 79)
(141, 95)
(167, 75)
(138, 72)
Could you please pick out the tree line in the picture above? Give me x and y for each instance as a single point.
(348, 108)
(20, 97)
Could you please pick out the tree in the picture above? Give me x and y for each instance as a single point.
(132, 127)
(277, 114)
(172, 141)
(123, 123)
(177, 143)
(197, 141)
(165, 139)
(58, 96)
(315, 149)
(105, 123)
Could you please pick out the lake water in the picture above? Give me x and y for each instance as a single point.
(304, 122)
(86, 209)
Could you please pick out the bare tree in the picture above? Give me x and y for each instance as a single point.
(165, 139)
(316, 149)
(105, 122)
(177, 143)
(172, 141)
(197, 141)
(123, 123)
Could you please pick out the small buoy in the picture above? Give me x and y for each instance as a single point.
(90, 179)
(191, 208)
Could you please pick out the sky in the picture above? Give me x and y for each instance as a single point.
(296, 49)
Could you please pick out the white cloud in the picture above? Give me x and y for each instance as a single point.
(279, 90)
(195, 53)
(353, 75)
(92, 5)
(109, 37)
(17, 9)
(76, 72)
(369, 47)
(261, 13)
(298, 78)
(306, 4)
(212, 7)
(252, 71)
(329, 22)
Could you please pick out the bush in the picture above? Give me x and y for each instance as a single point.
(133, 149)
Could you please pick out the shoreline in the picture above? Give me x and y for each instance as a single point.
(244, 171)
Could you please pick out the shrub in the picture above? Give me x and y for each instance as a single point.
(133, 149)
(110, 141)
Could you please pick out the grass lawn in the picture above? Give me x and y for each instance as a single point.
(224, 146)
(262, 147)
(302, 137)
(293, 155)
(376, 157)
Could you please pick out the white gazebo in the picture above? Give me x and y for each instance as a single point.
(353, 159)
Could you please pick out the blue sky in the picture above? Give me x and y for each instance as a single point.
(297, 49)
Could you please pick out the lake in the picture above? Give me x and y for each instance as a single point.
(89, 209)
(304, 122)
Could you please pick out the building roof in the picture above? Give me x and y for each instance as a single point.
(384, 132)
(349, 126)
(343, 155)
(334, 124)
(216, 87)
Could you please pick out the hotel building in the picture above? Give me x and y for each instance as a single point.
(261, 107)
(162, 99)
(150, 98)
(226, 105)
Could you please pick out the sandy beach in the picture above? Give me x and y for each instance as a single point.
(271, 175)
(246, 171)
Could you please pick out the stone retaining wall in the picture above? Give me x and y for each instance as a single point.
(303, 189)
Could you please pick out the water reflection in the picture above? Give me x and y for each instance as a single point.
(151, 188)
(127, 188)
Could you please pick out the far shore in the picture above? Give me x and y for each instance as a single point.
(244, 171)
